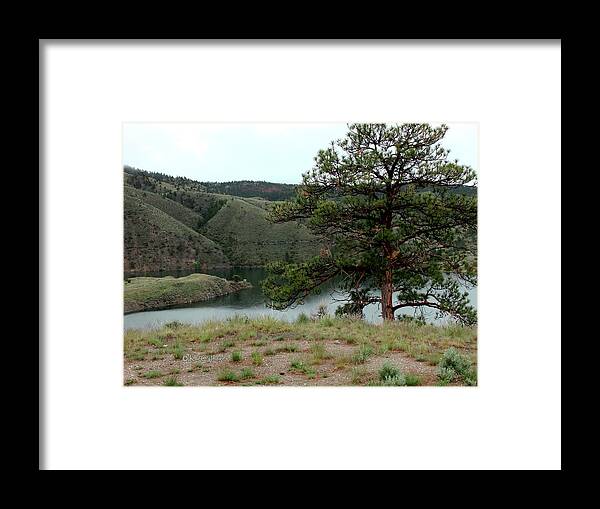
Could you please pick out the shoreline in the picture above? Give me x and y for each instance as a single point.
(134, 274)
(147, 293)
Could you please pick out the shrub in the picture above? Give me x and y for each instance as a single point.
(395, 381)
(388, 371)
(321, 311)
(236, 278)
(302, 318)
(455, 367)
(390, 375)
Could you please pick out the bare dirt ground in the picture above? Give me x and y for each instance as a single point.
(202, 366)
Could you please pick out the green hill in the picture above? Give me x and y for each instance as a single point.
(154, 240)
(177, 211)
(247, 238)
(174, 223)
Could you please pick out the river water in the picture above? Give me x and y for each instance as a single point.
(250, 302)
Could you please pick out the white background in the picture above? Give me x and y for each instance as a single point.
(512, 420)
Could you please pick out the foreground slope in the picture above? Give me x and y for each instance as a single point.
(326, 351)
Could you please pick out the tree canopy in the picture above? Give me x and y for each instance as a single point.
(395, 230)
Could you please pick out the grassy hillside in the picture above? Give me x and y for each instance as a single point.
(143, 293)
(247, 238)
(326, 351)
(177, 211)
(154, 240)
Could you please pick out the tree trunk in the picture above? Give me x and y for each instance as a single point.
(387, 309)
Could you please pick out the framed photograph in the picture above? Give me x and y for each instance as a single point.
(289, 254)
(301, 254)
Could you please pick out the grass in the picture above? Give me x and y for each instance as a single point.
(228, 376)
(257, 358)
(236, 356)
(178, 351)
(302, 318)
(301, 367)
(155, 342)
(172, 382)
(152, 374)
(246, 373)
(345, 347)
(412, 380)
(270, 380)
(359, 376)
(319, 353)
(289, 348)
(362, 354)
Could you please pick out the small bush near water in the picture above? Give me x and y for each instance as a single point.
(302, 318)
(321, 311)
(455, 367)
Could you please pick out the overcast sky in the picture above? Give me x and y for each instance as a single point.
(274, 152)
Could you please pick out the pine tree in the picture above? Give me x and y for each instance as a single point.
(384, 201)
